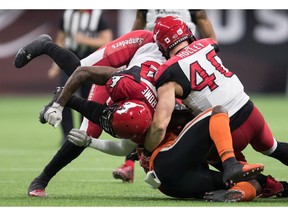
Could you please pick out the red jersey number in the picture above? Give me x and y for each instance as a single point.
(196, 72)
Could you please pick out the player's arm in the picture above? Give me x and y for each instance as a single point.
(121, 147)
(162, 116)
(204, 25)
(95, 74)
(139, 22)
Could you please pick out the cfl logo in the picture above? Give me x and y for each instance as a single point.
(167, 40)
(115, 80)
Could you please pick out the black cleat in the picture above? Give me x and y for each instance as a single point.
(37, 188)
(57, 93)
(241, 172)
(31, 50)
(224, 196)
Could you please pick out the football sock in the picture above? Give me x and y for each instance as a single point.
(90, 109)
(64, 58)
(64, 156)
(220, 133)
(133, 156)
(281, 152)
(249, 189)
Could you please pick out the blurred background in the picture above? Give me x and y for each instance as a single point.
(253, 44)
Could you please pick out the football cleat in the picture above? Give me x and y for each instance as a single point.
(241, 172)
(38, 193)
(57, 93)
(31, 50)
(224, 196)
(125, 173)
(37, 188)
(271, 188)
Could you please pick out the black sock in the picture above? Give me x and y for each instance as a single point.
(64, 156)
(64, 58)
(281, 153)
(90, 109)
(132, 156)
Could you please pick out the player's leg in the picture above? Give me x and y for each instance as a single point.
(255, 130)
(181, 166)
(270, 186)
(126, 171)
(68, 151)
(64, 156)
(43, 44)
(234, 171)
(242, 191)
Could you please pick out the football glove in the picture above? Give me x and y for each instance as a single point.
(79, 138)
(53, 115)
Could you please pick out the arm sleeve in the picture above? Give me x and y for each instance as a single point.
(122, 147)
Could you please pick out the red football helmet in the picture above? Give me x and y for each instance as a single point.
(170, 31)
(131, 119)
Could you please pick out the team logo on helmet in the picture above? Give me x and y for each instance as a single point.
(131, 119)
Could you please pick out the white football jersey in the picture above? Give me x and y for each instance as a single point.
(204, 79)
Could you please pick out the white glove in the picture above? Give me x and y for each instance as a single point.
(54, 114)
(79, 138)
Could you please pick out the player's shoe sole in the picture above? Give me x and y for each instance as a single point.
(125, 173)
(241, 172)
(31, 50)
(57, 93)
(119, 175)
(224, 196)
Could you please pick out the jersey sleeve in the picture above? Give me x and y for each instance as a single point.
(120, 51)
(171, 74)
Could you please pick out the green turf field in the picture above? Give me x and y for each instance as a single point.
(27, 146)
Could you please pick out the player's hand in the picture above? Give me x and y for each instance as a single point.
(54, 114)
(79, 138)
(144, 159)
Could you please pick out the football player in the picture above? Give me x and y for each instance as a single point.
(198, 22)
(195, 74)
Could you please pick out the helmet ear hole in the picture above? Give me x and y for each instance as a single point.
(131, 119)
